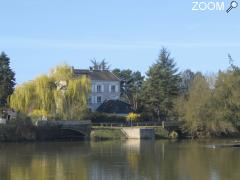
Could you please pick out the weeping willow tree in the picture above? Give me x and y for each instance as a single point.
(23, 97)
(70, 103)
(62, 73)
(61, 95)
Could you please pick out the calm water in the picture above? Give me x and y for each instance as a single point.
(117, 160)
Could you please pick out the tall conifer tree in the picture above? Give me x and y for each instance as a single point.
(161, 87)
(7, 79)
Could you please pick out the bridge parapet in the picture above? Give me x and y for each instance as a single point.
(63, 123)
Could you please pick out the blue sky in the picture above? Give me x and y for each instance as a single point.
(38, 35)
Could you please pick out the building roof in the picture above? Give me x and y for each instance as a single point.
(100, 75)
(115, 107)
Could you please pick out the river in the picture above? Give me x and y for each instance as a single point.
(119, 160)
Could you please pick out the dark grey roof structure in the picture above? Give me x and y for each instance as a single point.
(115, 107)
(98, 75)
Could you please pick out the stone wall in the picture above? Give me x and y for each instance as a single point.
(139, 133)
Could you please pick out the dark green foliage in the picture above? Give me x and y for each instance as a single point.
(97, 117)
(131, 84)
(115, 107)
(7, 79)
(161, 87)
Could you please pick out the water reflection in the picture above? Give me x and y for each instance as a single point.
(132, 159)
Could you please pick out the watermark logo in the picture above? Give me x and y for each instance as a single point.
(208, 6)
(233, 5)
(213, 6)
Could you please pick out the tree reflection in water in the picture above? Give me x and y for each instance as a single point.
(132, 159)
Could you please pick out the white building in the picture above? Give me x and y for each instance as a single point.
(105, 86)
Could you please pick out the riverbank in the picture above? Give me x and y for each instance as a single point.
(25, 132)
(16, 133)
(106, 134)
(116, 133)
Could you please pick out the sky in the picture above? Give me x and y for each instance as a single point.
(38, 35)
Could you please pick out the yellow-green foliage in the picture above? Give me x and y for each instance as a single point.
(173, 135)
(44, 87)
(213, 111)
(43, 97)
(39, 113)
(62, 73)
(195, 109)
(72, 102)
(23, 96)
(132, 117)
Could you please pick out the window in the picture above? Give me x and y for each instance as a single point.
(99, 99)
(99, 88)
(113, 88)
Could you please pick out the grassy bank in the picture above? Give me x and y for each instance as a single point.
(106, 134)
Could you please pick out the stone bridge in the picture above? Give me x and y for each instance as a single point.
(64, 129)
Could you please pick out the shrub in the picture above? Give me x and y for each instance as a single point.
(97, 117)
(132, 117)
(173, 135)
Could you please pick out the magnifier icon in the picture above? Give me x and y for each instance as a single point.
(233, 4)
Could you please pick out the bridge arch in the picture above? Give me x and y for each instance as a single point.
(63, 129)
(69, 133)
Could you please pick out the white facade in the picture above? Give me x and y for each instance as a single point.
(102, 91)
(105, 86)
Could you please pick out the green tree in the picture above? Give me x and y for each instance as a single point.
(227, 96)
(131, 85)
(7, 79)
(62, 95)
(161, 87)
(187, 77)
(211, 111)
(196, 110)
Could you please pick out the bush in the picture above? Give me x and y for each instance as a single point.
(132, 117)
(97, 117)
(173, 135)
(146, 116)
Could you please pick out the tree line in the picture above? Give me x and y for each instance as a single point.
(208, 104)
